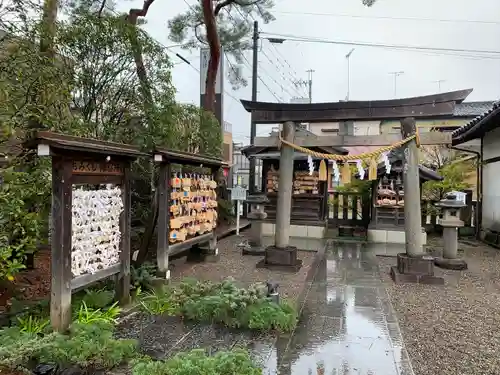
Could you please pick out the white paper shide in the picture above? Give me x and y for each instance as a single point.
(96, 229)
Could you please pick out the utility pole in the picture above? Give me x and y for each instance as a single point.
(348, 58)
(396, 75)
(439, 81)
(253, 125)
(310, 83)
(301, 82)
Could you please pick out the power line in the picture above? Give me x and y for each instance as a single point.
(283, 77)
(293, 78)
(388, 18)
(294, 86)
(264, 83)
(309, 39)
(248, 62)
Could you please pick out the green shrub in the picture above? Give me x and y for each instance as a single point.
(197, 362)
(86, 345)
(88, 315)
(32, 324)
(21, 220)
(158, 303)
(98, 298)
(223, 303)
(142, 277)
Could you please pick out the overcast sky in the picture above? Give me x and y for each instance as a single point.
(477, 28)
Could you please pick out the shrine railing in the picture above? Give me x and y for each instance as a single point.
(348, 208)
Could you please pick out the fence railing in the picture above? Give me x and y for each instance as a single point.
(348, 208)
(351, 209)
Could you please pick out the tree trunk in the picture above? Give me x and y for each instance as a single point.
(47, 51)
(142, 75)
(213, 64)
(48, 34)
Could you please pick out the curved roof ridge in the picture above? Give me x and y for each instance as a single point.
(452, 96)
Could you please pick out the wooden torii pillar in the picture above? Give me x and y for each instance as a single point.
(413, 265)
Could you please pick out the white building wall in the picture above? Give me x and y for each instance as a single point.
(491, 181)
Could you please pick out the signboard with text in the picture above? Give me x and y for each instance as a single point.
(204, 59)
(238, 193)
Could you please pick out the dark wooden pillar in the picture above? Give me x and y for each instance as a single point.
(212, 245)
(60, 299)
(123, 282)
(163, 220)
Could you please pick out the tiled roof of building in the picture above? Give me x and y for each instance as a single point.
(467, 131)
(472, 108)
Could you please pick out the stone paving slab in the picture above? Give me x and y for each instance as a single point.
(347, 326)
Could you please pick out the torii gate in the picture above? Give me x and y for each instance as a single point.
(407, 110)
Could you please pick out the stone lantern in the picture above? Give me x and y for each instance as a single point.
(450, 222)
(253, 246)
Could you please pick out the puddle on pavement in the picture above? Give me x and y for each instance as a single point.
(347, 327)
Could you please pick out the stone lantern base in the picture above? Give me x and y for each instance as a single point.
(252, 248)
(418, 270)
(455, 264)
(281, 259)
(253, 245)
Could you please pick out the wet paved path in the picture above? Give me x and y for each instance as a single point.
(347, 326)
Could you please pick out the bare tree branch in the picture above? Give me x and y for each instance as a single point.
(135, 13)
(225, 3)
(101, 8)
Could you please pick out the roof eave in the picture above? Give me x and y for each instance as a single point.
(477, 130)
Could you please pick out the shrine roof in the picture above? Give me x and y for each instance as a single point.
(269, 152)
(478, 126)
(426, 174)
(180, 157)
(85, 145)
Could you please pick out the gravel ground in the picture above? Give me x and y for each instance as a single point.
(452, 329)
(242, 269)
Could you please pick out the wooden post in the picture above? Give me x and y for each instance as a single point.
(212, 245)
(163, 220)
(60, 299)
(285, 189)
(411, 180)
(466, 213)
(123, 282)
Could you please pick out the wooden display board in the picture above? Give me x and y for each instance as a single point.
(187, 203)
(100, 246)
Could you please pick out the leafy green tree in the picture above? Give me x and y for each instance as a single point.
(454, 166)
(106, 92)
(454, 179)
